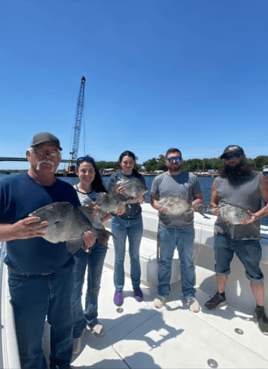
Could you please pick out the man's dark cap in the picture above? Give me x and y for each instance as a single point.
(42, 137)
(231, 149)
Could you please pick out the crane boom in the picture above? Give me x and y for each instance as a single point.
(70, 171)
(78, 120)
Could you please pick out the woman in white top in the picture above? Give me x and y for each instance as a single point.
(89, 185)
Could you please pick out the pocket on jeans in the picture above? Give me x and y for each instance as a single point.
(15, 280)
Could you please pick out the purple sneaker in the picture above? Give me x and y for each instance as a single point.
(138, 294)
(118, 298)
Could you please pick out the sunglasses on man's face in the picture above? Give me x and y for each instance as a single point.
(232, 156)
(177, 159)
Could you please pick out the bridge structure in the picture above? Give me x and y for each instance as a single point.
(9, 158)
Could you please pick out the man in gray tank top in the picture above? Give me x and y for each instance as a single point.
(176, 230)
(239, 186)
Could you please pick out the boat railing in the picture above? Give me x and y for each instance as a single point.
(9, 354)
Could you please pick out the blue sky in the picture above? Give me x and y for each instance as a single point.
(159, 74)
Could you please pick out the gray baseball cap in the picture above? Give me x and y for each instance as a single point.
(232, 149)
(42, 137)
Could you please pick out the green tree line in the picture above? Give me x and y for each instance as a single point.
(195, 165)
(191, 165)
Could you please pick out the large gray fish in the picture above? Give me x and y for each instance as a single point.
(178, 205)
(68, 223)
(232, 213)
(132, 187)
(110, 201)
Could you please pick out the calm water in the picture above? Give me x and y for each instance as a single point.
(205, 184)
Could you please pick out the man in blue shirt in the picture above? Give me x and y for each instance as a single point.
(40, 272)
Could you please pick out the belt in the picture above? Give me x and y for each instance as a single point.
(20, 273)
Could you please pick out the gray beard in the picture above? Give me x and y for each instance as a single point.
(45, 161)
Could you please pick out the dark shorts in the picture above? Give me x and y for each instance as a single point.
(249, 253)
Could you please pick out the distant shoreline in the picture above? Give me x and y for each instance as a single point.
(202, 174)
(102, 175)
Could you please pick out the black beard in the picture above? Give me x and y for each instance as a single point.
(237, 173)
(174, 169)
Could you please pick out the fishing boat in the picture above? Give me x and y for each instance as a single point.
(265, 170)
(141, 336)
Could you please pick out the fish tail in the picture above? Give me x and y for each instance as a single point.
(103, 237)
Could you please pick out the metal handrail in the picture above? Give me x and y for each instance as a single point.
(9, 353)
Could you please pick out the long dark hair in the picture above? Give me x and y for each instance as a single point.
(133, 156)
(96, 184)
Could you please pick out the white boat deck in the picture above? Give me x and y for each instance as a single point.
(172, 337)
(142, 336)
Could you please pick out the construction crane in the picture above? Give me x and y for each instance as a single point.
(77, 128)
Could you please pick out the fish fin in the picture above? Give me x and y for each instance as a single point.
(201, 208)
(87, 211)
(132, 201)
(89, 204)
(210, 208)
(103, 237)
(94, 221)
(74, 245)
(100, 195)
(102, 214)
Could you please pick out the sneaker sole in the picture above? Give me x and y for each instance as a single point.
(224, 303)
(138, 298)
(118, 304)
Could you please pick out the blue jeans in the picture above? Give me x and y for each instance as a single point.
(249, 252)
(33, 298)
(123, 228)
(94, 260)
(183, 239)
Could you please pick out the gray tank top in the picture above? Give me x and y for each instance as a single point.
(246, 194)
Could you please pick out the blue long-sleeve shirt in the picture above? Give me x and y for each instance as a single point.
(19, 196)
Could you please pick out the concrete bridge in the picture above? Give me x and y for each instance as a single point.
(8, 158)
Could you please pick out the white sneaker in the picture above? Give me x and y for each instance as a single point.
(194, 305)
(98, 328)
(159, 301)
(77, 344)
